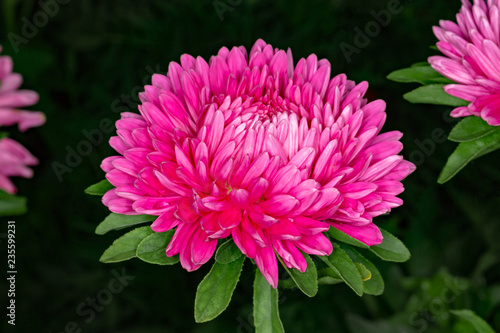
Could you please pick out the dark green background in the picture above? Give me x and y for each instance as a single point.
(93, 53)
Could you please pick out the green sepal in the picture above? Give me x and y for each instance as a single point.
(391, 248)
(433, 94)
(118, 221)
(99, 188)
(216, 290)
(421, 73)
(470, 129)
(344, 267)
(307, 282)
(375, 284)
(125, 247)
(227, 252)
(152, 249)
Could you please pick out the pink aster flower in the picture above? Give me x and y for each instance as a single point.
(472, 59)
(253, 147)
(14, 158)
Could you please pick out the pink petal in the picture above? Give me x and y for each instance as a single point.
(368, 234)
(265, 259)
(165, 221)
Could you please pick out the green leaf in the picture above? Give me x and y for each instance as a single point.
(341, 264)
(345, 238)
(118, 221)
(423, 74)
(328, 280)
(329, 276)
(466, 152)
(471, 128)
(391, 249)
(100, 188)
(125, 247)
(227, 252)
(307, 281)
(152, 249)
(420, 64)
(374, 285)
(479, 324)
(328, 271)
(11, 204)
(216, 289)
(266, 315)
(433, 94)
(287, 284)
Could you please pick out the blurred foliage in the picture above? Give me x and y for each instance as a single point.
(92, 58)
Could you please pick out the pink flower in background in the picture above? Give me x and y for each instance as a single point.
(472, 59)
(253, 147)
(14, 158)
(11, 99)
